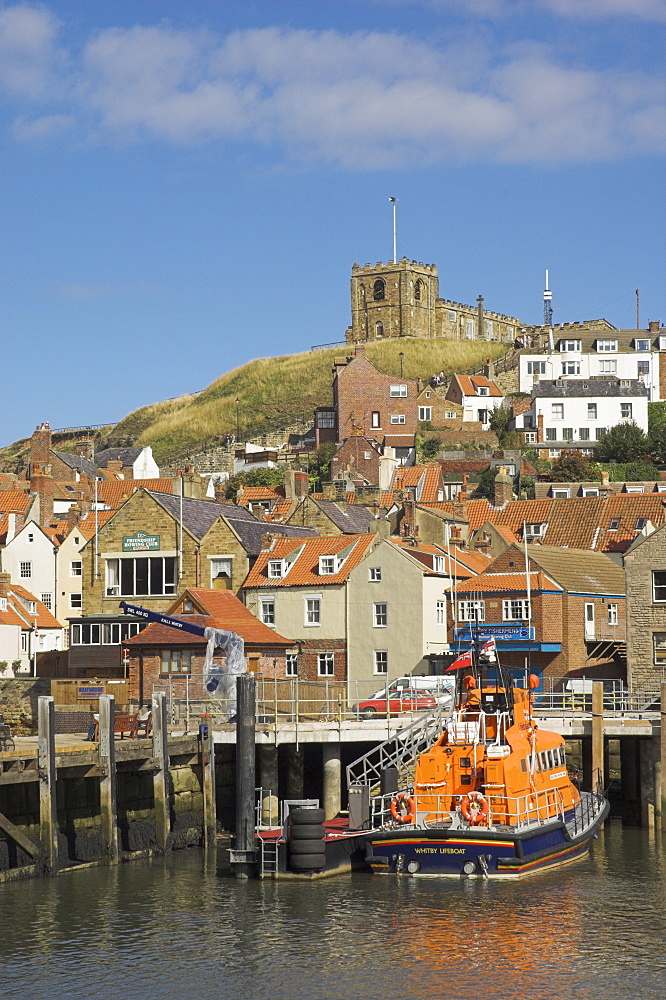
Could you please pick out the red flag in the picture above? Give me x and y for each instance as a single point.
(463, 661)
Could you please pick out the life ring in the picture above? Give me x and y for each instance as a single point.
(397, 802)
(474, 808)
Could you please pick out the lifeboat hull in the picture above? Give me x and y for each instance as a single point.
(478, 851)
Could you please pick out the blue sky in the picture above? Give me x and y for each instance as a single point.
(187, 184)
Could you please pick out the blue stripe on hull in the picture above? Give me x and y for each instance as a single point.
(448, 856)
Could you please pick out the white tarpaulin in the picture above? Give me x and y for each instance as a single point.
(220, 678)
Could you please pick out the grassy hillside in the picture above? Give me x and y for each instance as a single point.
(274, 392)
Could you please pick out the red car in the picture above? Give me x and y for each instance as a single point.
(407, 701)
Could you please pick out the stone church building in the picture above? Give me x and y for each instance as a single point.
(402, 300)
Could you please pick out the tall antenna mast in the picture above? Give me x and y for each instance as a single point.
(547, 305)
(394, 202)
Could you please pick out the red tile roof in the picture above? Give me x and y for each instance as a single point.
(251, 493)
(470, 385)
(116, 492)
(426, 479)
(42, 615)
(220, 609)
(16, 501)
(304, 572)
(509, 582)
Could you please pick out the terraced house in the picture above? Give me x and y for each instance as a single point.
(566, 618)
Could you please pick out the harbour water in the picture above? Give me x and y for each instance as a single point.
(182, 927)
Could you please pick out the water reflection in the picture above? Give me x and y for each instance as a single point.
(176, 928)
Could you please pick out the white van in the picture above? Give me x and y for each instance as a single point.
(441, 688)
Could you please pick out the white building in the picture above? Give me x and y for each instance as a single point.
(478, 395)
(575, 413)
(27, 629)
(579, 353)
(130, 463)
(30, 559)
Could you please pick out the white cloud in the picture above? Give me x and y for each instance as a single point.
(356, 100)
(28, 52)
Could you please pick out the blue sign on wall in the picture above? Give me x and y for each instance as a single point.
(499, 632)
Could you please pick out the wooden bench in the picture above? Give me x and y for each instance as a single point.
(122, 724)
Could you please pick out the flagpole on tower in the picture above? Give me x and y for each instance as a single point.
(394, 202)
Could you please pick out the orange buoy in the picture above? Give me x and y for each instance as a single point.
(398, 803)
(474, 808)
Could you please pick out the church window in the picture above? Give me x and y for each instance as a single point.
(379, 290)
(417, 291)
(379, 329)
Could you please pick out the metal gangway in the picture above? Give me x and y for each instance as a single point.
(400, 751)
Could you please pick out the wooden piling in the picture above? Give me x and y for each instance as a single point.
(243, 853)
(598, 733)
(161, 774)
(208, 783)
(108, 806)
(48, 813)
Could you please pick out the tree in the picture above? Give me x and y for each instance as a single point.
(499, 421)
(254, 477)
(625, 442)
(486, 483)
(572, 467)
(427, 448)
(320, 464)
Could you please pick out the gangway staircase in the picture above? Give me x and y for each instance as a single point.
(400, 751)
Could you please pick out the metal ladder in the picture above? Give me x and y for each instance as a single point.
(268, 858)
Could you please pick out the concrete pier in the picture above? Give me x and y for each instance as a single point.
(332, 779)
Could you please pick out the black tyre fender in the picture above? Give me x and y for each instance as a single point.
(308, 862)
(300, 816)
(305, 847)
(308, 831)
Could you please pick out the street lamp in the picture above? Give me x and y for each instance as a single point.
(401, 356)
(237, 420)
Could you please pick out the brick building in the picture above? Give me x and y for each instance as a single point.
(367, 402)
(160, 654)
(577, 603)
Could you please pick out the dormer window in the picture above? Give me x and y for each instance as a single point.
(640, 523)
(188, 607)
(328, 565)
(32, 607)
(438, 564)
(3, 603)
(607, 346)
(276, 568)
(567, 346)
(398, 390)
(483, 390)
(642, 345)
(614, 524)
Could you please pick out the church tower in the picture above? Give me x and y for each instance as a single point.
(393, 300)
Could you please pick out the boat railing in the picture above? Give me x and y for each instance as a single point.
(432, 809)
(471, 728)
(589, 807)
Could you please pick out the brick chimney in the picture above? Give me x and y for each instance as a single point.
(40, 446)
(220, 493)
(359, 349)
(114, 465)
(5, 584)
(86, 448)
(653, 327)
(540, 427)
(503, 488)
(489, 369)
(41, 483)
